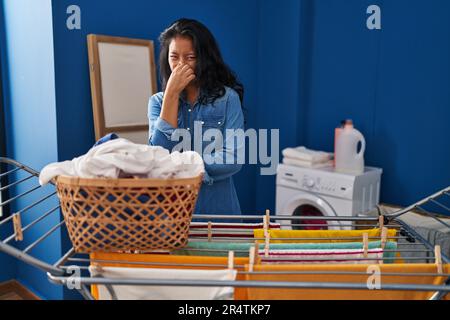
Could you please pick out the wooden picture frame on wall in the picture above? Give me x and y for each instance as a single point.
(123, 78)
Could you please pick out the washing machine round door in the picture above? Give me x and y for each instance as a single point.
(308, 205)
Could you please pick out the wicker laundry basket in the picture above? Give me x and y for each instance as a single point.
(111, 215)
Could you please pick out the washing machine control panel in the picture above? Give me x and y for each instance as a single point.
(308, 182)
(318, 183)
(326, 185)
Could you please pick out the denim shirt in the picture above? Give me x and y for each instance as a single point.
(217, 194)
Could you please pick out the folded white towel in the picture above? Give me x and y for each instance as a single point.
(302, 153)
(307, 164)
(122, 158)
(129, 292)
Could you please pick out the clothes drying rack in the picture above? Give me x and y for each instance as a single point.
(22, 196)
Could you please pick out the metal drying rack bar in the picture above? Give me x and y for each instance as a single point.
(60, 272)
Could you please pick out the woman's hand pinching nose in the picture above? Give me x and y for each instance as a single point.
(181, 76)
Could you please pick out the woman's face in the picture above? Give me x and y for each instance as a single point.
(181, 51)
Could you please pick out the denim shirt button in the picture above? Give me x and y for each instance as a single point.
(189, 110)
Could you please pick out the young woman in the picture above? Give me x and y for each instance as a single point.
(199, 90)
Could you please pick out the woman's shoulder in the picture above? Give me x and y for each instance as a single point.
(230, 93)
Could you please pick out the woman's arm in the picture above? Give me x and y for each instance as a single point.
(216, 164)
(159, 130)
(163, 116)
(180, 77)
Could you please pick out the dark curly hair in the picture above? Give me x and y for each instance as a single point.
(212, 74)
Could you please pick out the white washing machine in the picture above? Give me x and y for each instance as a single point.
(325, 192)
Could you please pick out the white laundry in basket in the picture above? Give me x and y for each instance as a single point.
(120, 157)
(130, 292)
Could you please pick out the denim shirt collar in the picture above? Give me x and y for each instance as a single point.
(183, 98)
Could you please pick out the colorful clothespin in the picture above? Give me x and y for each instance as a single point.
(366, 244)
(209, 231)
(251, 257)
(17, 222)
(230, 260)
(438, 259)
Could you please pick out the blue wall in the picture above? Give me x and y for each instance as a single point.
(394, 83)
(234, 24)
(31, 120)
(236, 31)
(7, 264)
(305, 65)
(278, 82)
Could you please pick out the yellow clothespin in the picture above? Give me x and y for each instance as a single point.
(17, 222)
(251, 257)
(230, 260)
(366, 244)
(438, 257)
(209, 231)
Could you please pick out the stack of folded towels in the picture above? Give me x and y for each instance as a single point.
(303, 157)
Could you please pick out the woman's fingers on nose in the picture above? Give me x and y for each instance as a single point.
(176, 68)
(180, 65)
(189, 70)
(186, 68)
